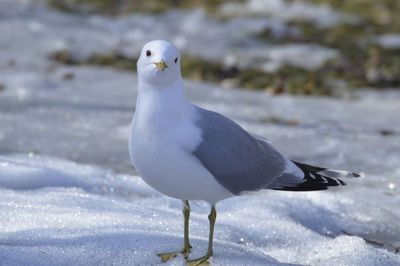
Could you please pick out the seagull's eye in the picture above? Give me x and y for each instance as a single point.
(148, 53)
(176, 59)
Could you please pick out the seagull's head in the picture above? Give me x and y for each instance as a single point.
(159, 63)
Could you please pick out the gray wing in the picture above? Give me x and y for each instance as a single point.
(237, 160)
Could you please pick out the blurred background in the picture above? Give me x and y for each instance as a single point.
(318, 47)
(320, 78)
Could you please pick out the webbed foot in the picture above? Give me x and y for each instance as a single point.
(170, 255)
(202, 261)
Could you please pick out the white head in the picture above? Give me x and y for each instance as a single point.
(159, 63)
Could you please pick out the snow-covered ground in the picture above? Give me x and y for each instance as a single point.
(55, 212)
(69, 196)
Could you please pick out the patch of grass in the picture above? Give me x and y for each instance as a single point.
(279, 121)
(115, 7)
(363, 62)
(379, 16)
(289, 79)
(112, 60)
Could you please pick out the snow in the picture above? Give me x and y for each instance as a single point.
(69, 195)
(310, 57)
(321, 15)
(389, 40)
(56, 212)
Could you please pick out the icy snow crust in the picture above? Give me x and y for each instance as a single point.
(55, 212)
(69, 196)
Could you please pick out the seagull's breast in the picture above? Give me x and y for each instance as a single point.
(161, 146)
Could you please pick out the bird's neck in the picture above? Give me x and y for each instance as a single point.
(162, 106)
(174, 89)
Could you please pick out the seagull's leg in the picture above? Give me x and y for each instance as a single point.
(204, 260)
(186, 215)
(186, 245)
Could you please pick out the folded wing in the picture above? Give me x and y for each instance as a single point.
(237, 160)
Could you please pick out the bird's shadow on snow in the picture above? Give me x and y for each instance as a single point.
(317, 219)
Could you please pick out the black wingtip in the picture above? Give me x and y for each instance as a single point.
(318, 178)
(358, 175)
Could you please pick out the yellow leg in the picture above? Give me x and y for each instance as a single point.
(203, 261)
(186, 245)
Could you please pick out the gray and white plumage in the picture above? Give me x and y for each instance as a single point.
(191, 153)
(237, 160)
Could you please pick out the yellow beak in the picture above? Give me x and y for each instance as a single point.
(161, 65)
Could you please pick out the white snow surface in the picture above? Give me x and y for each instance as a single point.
(321, 15)
(389, 40)
(56, 212)
(69, 196)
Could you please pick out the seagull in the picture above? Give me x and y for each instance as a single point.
(190, 153)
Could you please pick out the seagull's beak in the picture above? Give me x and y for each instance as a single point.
(161, 65)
